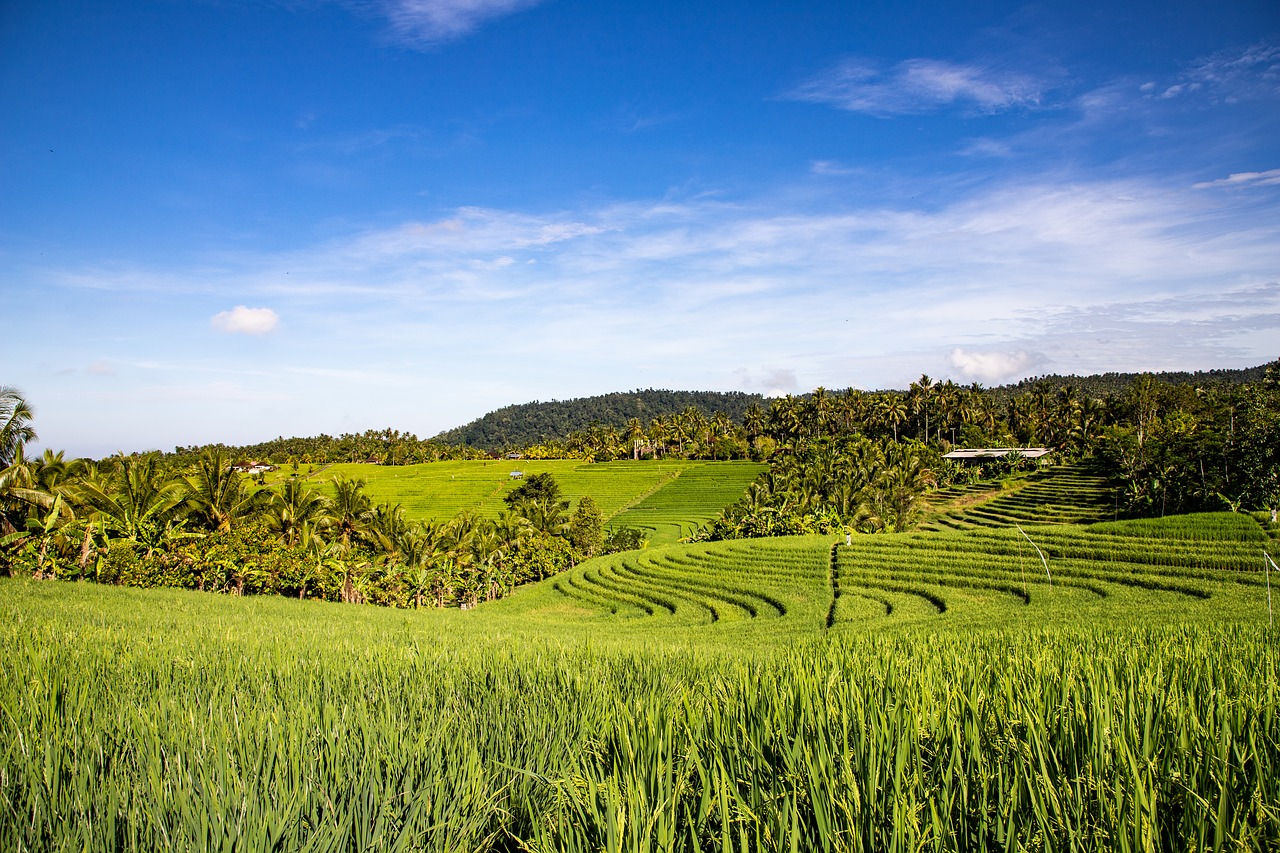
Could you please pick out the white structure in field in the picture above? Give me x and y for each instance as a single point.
(983, 454)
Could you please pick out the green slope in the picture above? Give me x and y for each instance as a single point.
(664, 497)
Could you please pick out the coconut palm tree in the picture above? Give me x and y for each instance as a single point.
(753, 422)
(352, 511)
(217, 495)
(892, 411)
(296, 507)
(15, 424)
(136, 501)
(635, 435)
(20, 493)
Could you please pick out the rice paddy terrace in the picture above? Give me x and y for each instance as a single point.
(986, 557)
(1074, 494)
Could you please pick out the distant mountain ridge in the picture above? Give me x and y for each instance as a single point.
(524, 424)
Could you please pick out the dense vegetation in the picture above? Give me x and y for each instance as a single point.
(845, 462)
(385, 446)
(131, 520)
(520, 426)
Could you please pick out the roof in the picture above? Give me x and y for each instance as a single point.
(996, 452)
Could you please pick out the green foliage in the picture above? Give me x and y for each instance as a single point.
(386, 447)
(536, 487)
(535, 423)
(586, 528)
(828, 485)
(15, 424)
(623, 539)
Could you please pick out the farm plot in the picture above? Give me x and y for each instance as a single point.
(697, 495)
(439, 490)
(1201, 564)
(171, 720)
(1073, 494)
(703, 584)
(1201, 567)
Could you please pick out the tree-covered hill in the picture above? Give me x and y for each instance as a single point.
(1099, 386)
(533, 423)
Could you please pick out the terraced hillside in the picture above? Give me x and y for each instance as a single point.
(731, 582)
(1069, 494)
(1204, 566)
(697, 495)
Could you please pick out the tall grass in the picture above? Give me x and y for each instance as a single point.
(137, 720)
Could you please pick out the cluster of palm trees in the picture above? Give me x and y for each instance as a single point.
(133, 519)
(835, 485)
(386, 446)
(934, 413)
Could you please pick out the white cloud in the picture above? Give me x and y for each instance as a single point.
(430, 22)
(243, 320)
(1269, 178)
(771, 382)
(919, 86)
(993, 367)
(220, 390)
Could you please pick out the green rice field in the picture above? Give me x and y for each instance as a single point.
(999, 684)
(667, 499)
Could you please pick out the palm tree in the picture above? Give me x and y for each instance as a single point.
(893, 411)
(20, 493)
(137, 501)
(635, 435)
(351, 509)
(546, 516)
(296, 507)
(15, 424)
(659, 432)
(753, 422)
(217, 495)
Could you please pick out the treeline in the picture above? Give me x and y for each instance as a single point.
(1103, 385)
(527, 424)
(138, 521)
(384, 446)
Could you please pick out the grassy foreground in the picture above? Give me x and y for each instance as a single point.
(709, 697)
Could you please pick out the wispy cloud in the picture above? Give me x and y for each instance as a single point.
(1226, 76)
(1028, 275)
(423, 23)
(772, 381)
(831, 167)
(919, 86)
(984, 147)
(1269, 178)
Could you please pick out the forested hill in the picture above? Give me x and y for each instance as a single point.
(1101, 385)
(532, 423)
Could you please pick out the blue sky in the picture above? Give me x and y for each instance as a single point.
(227, 221)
